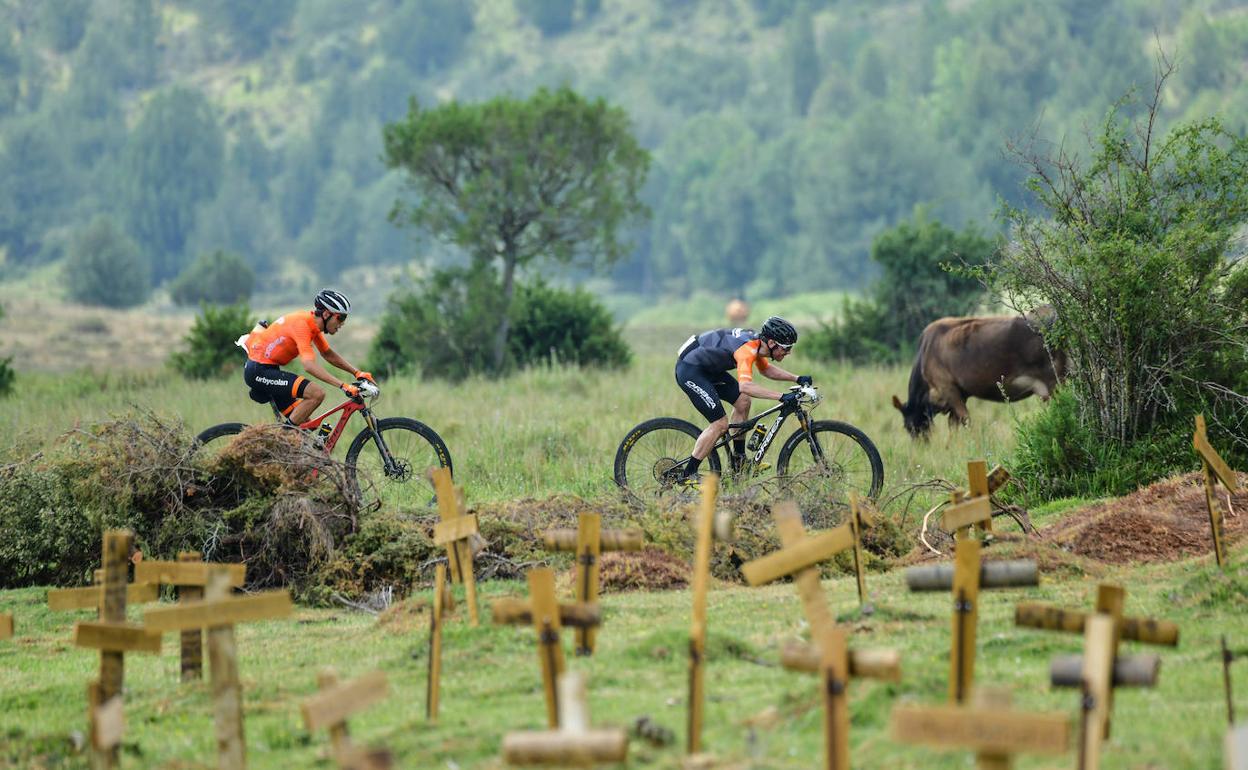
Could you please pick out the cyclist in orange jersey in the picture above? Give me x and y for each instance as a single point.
(299, 334)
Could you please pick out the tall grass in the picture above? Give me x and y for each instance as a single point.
(540, 432)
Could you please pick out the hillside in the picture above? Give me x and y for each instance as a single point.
(784, 133)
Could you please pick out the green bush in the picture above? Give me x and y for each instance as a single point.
(444, 327)
(551, 324)
(218, 278)
(210, 349)
(920, 282)
(104, 267)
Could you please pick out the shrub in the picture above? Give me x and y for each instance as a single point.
(218, 278)
(918, 284)
(210, 349)
(551, 324)
(7, 375)
(444, 327)
(104, 267)
(1135, 255)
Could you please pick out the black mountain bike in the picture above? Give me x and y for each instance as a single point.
(823, 459)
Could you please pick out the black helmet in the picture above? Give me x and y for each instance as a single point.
(333, 301)
(779, 330)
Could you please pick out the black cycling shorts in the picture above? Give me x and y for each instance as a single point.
(707, 389)
(269, 383)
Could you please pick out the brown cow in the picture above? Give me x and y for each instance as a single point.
(996, 358)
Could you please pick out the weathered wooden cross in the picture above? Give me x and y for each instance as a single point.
(697, 632)
(975, 506)
(799, 558)
(219, 612)
(1101, 669)
(188, 575)
(1215, 469)
(988, 727)
(6, 625)
(113, 637)
(966, 577)
(330, 708)
(588, 541)
(547, 617)
(574, 742)
(456, 531)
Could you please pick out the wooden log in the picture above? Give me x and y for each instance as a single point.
(226, 611)
(188, 570)
(806, 552)
(884, 665)
(1016, 573)
(512, 611)
(1129, 671)
(191, 660)
(964, 514)
(1049, 618)
(697, 632)
(227, 692)
(992, 731)
(555, 747)
(609, 539)
(116, 637)
(338, 700)
(92, 597)
(434, 676)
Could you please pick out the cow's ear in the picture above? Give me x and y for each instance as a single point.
(897, 403)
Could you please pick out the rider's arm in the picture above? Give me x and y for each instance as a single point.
(749, 388)
(314, 368)
(332, 357)
(746, 356)
(774, 372)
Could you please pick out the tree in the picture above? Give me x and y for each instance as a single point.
(426, 35)
(172, 162)
(801, 57)
(218, 278)
(552, 17)
(509, 181)
(104, 267)
(251, 25)
(35, 183)
(1133, 249)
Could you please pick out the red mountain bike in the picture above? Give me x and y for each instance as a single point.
(387, 453)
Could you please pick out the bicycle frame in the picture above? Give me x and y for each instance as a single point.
(737, 429)
(348, 408)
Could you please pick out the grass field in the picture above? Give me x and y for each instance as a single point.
(758, 715)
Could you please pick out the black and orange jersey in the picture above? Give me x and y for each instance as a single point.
(292, 334)
(720, 350)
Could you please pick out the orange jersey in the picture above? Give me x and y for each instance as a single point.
(292, 334)
(746, 357)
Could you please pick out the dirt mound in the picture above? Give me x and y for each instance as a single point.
(646, 570)
(1051, 558)
(1162, 522)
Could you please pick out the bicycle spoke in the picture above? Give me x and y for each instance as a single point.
(823, 483)
(655, 461)
(400, 478)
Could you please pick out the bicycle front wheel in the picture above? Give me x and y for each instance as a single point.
(652, 456)
(393, 471)
(824, 466)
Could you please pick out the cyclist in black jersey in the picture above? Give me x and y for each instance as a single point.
(702, 371)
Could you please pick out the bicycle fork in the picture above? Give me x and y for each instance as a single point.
(387, 460)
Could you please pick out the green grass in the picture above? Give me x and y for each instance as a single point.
(491, 681)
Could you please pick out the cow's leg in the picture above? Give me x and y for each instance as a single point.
(958, 416)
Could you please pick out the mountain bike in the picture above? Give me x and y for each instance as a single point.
(387, 454)
(823, 459)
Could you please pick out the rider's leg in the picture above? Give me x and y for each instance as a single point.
(708, 437)
(313, 395)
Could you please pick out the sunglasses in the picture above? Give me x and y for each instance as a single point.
(342, 317)
(782, 346)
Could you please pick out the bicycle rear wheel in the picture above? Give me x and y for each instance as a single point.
(823, 468)
(399, 478)
(211, 441)
(652, 456)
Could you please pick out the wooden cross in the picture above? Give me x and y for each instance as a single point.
(334, 703)
(588, 541)
(1100, 671)
(455, 531)
(798, 558)
(548, 617)
(573, 743)
(6, 625)
(219, 613)
(113, 637)
(988, 727)
(966, 577)
(974, 508)
(107, 724)
(1214, 468)
(92, 597)
(1235, 748)
(188, 575)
